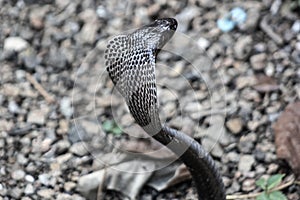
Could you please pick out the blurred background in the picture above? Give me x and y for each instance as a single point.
(229, 78)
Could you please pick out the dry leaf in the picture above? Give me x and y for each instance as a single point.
(265, 84)
(287, 136)
(120, 178)
(149, 148)
(130, 184)
(169, 176)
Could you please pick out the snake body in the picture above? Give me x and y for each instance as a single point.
(130, 61)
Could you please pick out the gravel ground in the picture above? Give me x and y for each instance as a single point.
(54, 95)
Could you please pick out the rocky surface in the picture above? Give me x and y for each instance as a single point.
(225, 89)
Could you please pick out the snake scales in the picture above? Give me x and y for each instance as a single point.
(130, 61)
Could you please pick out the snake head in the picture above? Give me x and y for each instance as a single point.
(130, 61)
(156, 34)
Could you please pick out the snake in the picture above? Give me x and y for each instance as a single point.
(130, 62)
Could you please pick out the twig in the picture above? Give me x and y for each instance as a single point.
(243, 196)
(268, 30)
(40, 89)
(101, 186)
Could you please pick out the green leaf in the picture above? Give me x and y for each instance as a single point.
(277, 195)
(274, 180)
(263, 196)
(110, 126)
(107, 125)
(116, 130)
(261, 183)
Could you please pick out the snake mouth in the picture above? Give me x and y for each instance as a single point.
(167, 23)
(171, 23)
(164, 29)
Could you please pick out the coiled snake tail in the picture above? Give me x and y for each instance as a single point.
(130, 61)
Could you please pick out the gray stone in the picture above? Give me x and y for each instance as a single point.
(243, 47)
(66, 107)
(252, 20)
(62, 146)
(212, 146)
(71, 27)
(246, 143)
(18, 174)
(79, 149)
(56, 59)
(102, 12)
(16, 192)
(244, 81)
(20, 75)
(91, 127)
(235, 187)
(77, 133)
(36, 117)
(21, 159)
(270, 69)
(29, 189)
(68, 186)
(15, 44)
(203, 43)
(246, 162)
(258, 61)
(270, 157)
(234, 125)
(296, 26)
(46, 193)
(45, 179)
(248, 185)
(36, 16)
(207, 3)
(64, 196)
(29, 58)
(13, 107)
(89, 30)
(26, 198)
(63, 158)
(260, 169)
(233, 157)
(296, 56)
(185, 16)
(272, 168)
(29, 178)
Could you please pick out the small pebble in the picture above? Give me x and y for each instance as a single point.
(44, 179)
(15, 44)
(46, 193)
(18, 174)
(29, 189)
(246, 162)
(36, 117)
(66, 107)
(79, 149)
(296, 26)
(258, 61)
(203, 43)
(13, 107)
(68, 186)
(29, 178)
(234, 125)
(248, 185)
(16, 192)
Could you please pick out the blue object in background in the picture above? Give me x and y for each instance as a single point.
(238, 15)
(225, 24)
(235, 16)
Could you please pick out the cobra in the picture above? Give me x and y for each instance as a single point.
(130, 61)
